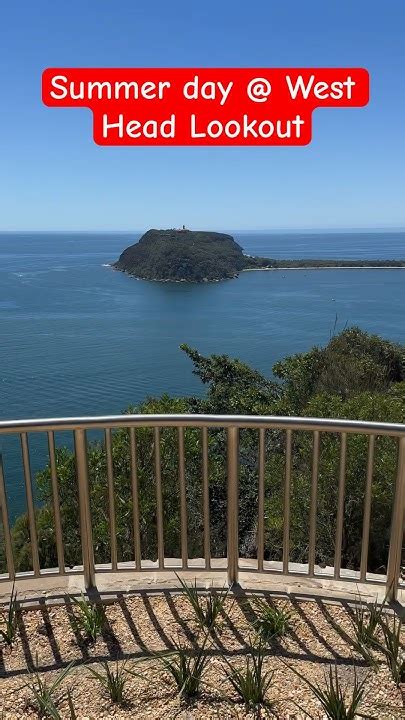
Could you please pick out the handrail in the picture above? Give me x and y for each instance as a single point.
(231, 440)
(187, 420)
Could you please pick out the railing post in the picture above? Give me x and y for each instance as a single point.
(84, 508)
(232, 506)
(397, 526)
(6, 524)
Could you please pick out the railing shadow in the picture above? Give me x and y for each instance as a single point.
(142, 624)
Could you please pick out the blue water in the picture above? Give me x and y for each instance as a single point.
(77, 337)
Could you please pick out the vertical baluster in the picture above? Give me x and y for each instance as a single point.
(55, 501)
(206, 499)
(111, 501)
(30, 503)
(135, 500)
(6, 524)
(397, 526)
(340, 508)
(367, 510)
(232, 509)
(313, 507)
(86, 533)
(183, 501)
(159, 501)
(287, 493)
(260, 509)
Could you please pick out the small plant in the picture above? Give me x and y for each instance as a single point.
(114, 681)
(393, 649)
(44, 694)
(10, 621)
(207, 608)
(336, 701)
(366, 623)
(364, 639)
(252, 683)
(90, 618)
(271, 622)
(187, 669)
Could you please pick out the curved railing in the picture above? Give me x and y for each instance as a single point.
(232, 425)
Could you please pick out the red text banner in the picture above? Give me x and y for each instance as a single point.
(204, 106)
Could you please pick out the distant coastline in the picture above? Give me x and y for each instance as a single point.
(329, 267)
(260, 269)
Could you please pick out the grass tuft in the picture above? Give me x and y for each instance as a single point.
(90, 618)
(114, 681)
(336, 700)
(208, 607)
(252, 683)
(366, 623)
(186, 668)
(364, 639)
(44, 699)
(271, 622)
(393, 649)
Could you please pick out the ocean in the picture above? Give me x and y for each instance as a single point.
(78, 338)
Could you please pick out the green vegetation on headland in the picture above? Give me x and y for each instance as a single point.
(199, 256)
(183, 255)
(309, 263)
(356, 375)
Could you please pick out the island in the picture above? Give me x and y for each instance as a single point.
(182, 255)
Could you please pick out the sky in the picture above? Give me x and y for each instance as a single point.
(53, 177)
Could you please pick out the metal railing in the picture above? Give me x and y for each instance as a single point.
(232, 427)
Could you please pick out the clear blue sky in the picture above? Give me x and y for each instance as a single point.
(52, 176)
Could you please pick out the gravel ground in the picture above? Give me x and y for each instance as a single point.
(138, 626)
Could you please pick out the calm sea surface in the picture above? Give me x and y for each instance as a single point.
(77, 337)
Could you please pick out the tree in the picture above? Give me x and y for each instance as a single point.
(353, 361)
(233, 386)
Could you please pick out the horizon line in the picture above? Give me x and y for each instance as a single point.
(376, 228)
